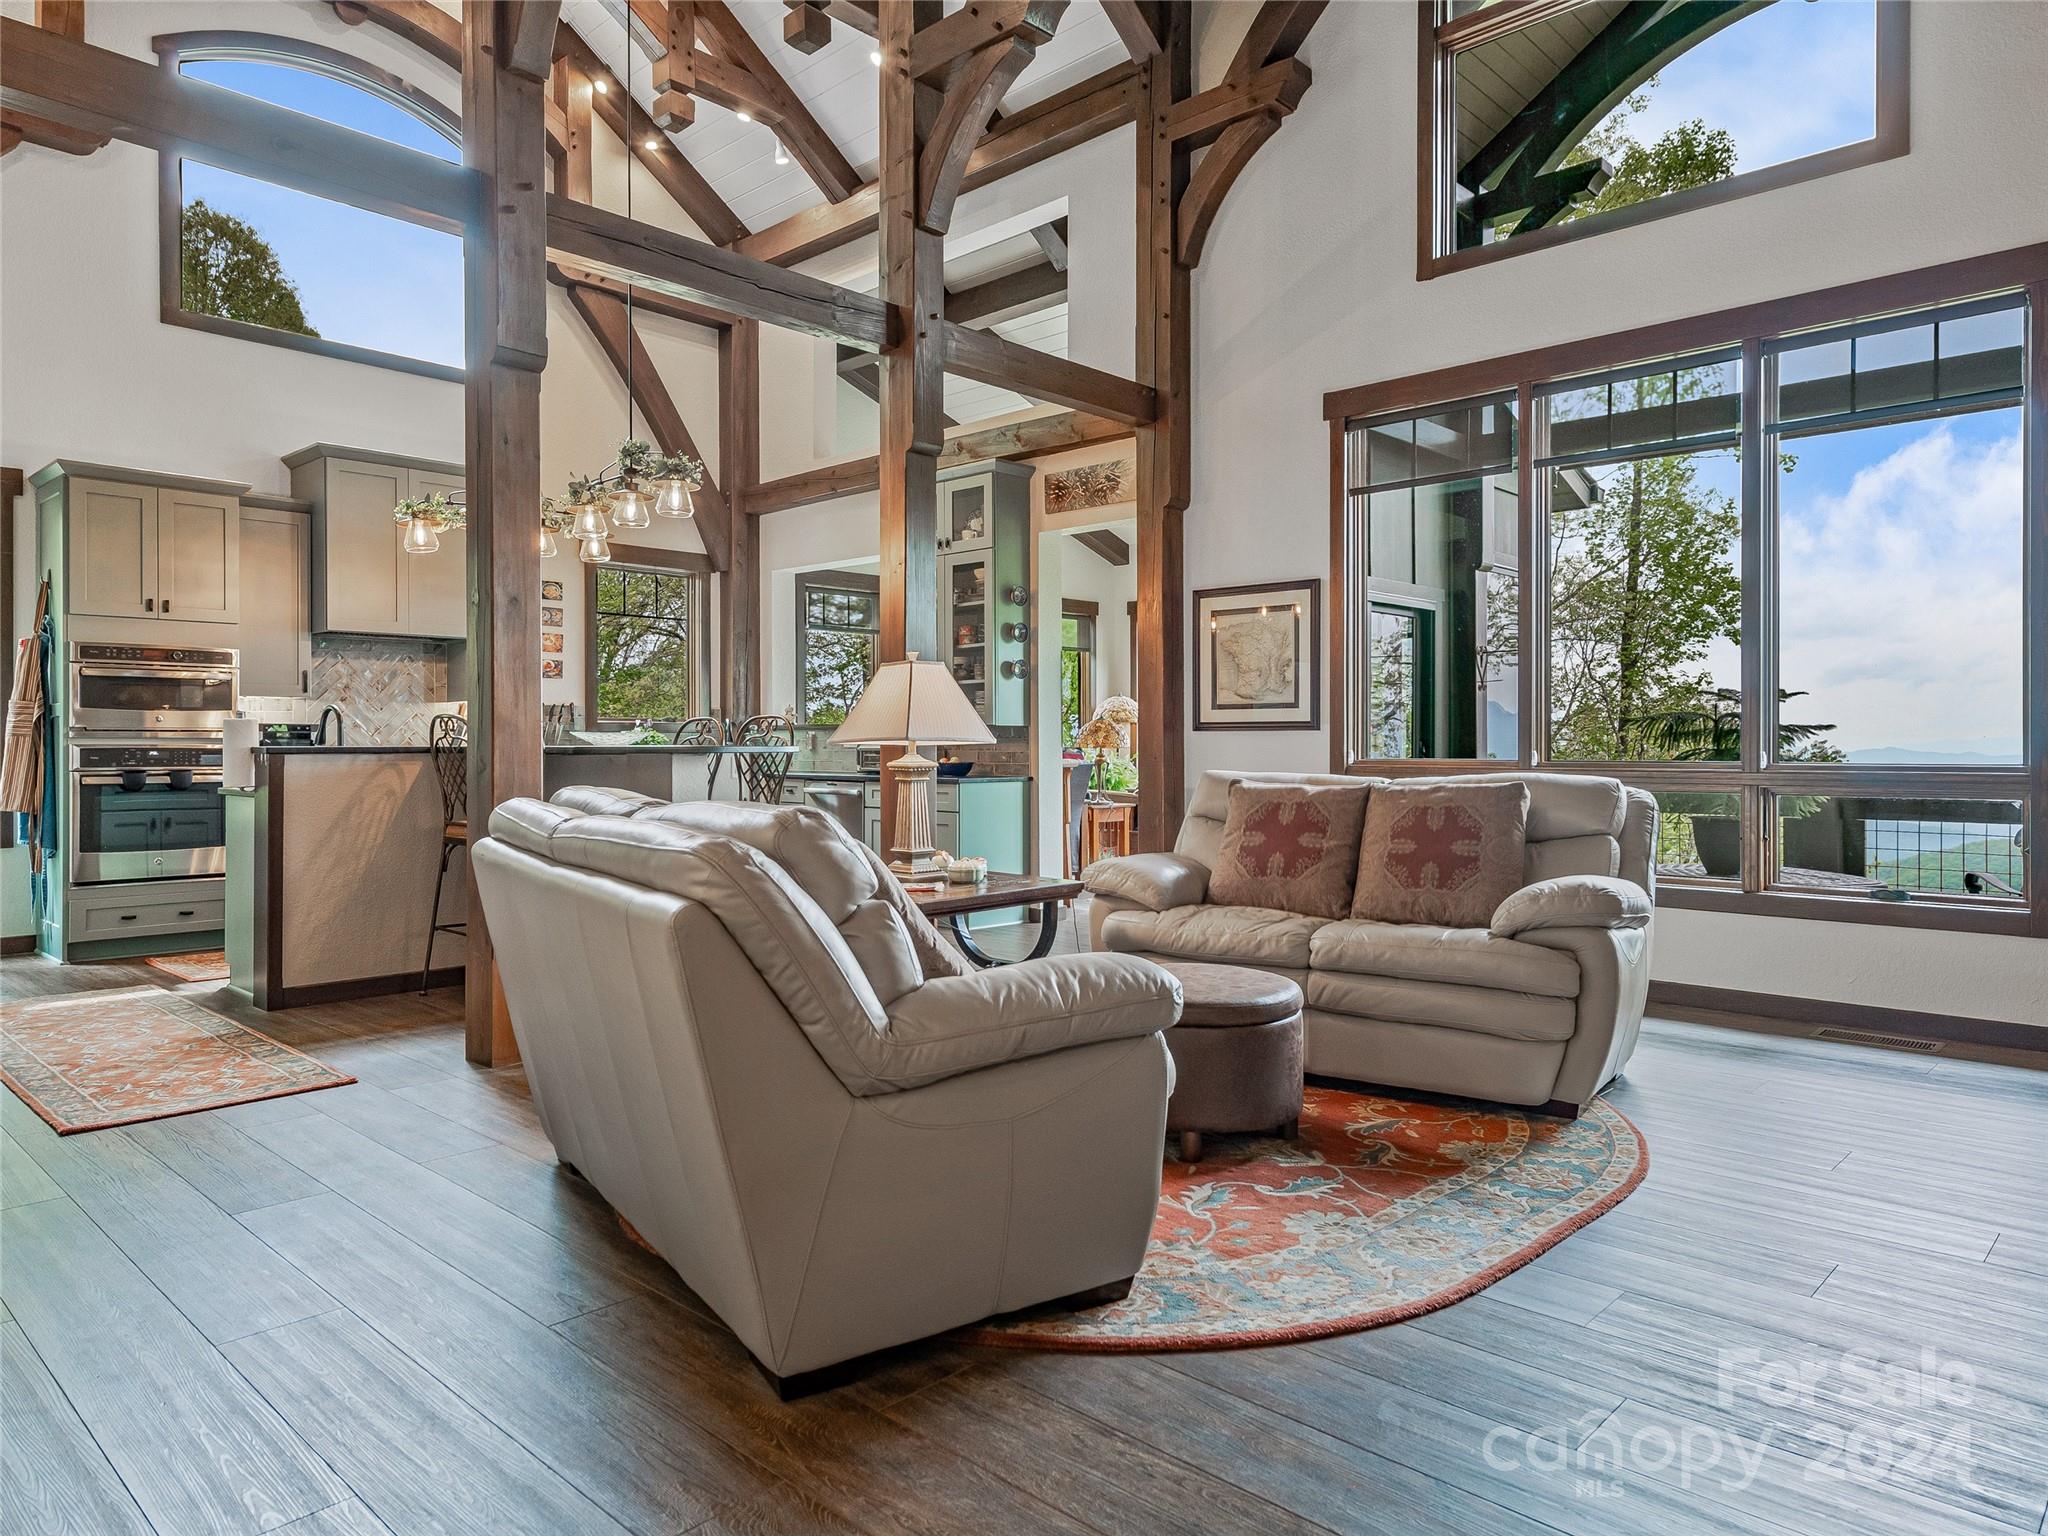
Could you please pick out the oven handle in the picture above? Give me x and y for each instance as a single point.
(161, 775)
(102, 669)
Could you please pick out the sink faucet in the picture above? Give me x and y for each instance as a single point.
(321, 738)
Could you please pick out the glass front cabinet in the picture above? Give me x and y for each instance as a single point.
(984, 586)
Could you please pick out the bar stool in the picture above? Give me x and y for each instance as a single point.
(448, 747)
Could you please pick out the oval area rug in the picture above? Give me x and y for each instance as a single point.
(1384, 1209)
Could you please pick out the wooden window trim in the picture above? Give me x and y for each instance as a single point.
(667, 562)
(1750, 327)
(844, 581)
(1438, 43)
(171, 50)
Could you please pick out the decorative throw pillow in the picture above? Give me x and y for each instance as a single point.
(1441, 853)
(1290, 846)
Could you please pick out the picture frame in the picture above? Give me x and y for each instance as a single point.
(1258, 657)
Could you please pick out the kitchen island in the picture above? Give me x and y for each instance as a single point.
(331, 858)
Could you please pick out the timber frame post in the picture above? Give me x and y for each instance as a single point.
(1165, 327)
(505, 328)
(739, 461)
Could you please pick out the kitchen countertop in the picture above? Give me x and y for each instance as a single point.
(298, 746)
(687, 749)
(851, 775)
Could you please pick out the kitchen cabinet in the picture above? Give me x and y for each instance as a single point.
(984, 586)
(986, 817)
(363, 581)
(144, 546)
(276, 601)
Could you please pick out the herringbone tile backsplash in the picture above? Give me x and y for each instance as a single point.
(386, 689)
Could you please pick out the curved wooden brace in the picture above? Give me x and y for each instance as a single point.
(1212, 181)
(971, 99)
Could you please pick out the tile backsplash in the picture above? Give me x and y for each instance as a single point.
(386, 689)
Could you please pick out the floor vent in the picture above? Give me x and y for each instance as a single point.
(1890, 1042)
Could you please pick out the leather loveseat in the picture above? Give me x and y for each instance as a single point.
(744, 1034)
(1541, 1007)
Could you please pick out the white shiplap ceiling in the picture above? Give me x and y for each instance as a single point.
(837, 83)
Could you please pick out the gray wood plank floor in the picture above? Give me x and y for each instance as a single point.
(383, 1309)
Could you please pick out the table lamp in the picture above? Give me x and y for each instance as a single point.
(904, 703)
(1099, 735)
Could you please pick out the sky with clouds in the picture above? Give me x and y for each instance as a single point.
(1788, 80)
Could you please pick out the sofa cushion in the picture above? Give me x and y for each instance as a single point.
(1201, 830)
(1594, 854)
(1477, 1010)
(1290, 846)
(1470, 957)
(1229, 935)
(1155, 880)
(1446, 853)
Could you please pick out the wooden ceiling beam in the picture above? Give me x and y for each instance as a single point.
(643, 298)
(1025, 439)
(987, 358)
(975, 92)
(529, 36)
(979, 24)
(426, 26)
(98, 91)
(665, 163)
(1112, 548)
(806, 28)
(66, 18)
(1278, 29)
(864, 16)
(1274, 90)
(674, 25)
(605, 316)
(648, 257)
(1137, 23)
(1052, 239)
(1071, 117)
(778, 104)
(1212, 181)
(1006, 297)
(22, 128)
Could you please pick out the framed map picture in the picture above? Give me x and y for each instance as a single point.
(1258, 657)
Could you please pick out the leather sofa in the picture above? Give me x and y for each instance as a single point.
(1542, 1007)
(740, 1029)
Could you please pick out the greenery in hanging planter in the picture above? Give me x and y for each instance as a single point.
(436, 509)
(641, 460)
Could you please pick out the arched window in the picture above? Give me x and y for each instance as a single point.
(247, 258)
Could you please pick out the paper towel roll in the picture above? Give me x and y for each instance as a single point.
(237, 760)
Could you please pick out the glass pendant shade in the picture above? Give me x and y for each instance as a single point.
(631, 507)
(597, 551)
(672, 497)
(548, 548)
(421, 537)
(590, 523)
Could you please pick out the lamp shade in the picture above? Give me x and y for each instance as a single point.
(1100, 735)
(911, 701)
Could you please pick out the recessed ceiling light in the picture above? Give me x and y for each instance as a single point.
(875, 57)
(599, 86)
(654, 143)
(743, 117)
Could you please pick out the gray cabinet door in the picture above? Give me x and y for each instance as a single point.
(362, 585)
(198, 556)
(113, 530)
(437, 585)
(276, 602)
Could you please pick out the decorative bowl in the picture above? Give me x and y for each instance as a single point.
(956, 770)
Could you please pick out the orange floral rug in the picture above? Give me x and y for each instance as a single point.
(85, 1063)
(1384, 1208)
(202, 965)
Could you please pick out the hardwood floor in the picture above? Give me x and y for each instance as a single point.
(384, 1309)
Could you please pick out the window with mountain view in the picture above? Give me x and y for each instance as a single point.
(1585, 111)
(270, 263)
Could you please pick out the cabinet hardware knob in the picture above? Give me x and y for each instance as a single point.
(185, 911)
(129, 917)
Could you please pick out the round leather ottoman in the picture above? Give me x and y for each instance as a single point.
(1236, 1053)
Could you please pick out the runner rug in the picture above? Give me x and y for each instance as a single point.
(95, 1060)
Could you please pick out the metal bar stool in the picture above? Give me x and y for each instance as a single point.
(448, 747)
(762, 770)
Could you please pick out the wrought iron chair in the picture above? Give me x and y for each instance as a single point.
(448, 747)
(761, 773)
(699, 731)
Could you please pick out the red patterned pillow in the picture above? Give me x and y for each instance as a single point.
(1290, 846)
(1441, 853)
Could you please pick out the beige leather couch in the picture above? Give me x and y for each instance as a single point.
(1542, 1007)
(739, 1028)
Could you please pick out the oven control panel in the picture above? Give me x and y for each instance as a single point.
(140, 756)
(152, 655)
